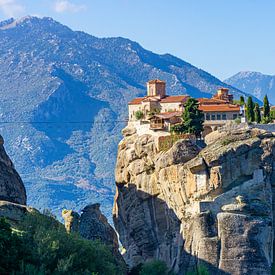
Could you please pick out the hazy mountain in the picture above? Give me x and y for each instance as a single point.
(254, 83)
(64, 101)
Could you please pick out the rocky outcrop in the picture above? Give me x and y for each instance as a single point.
(190, 206)
(71, 220)
(11, 186)
(94, 225)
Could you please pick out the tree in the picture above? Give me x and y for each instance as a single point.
(266, 113)
(250, 109)
(154, 268)
(139, 115)
(242, 102)
(257, 113)
(192, 118)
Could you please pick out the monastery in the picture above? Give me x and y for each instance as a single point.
(157, 112)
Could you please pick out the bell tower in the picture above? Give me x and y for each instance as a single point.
(156, 88)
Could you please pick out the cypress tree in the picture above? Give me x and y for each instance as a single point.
(242, 100)
(257, 113)
(250, 109)
(192, 117)
(266, 108)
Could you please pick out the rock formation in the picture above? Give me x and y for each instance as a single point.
(11, 186)
(93, 225)
(71, 219)
(194, 207)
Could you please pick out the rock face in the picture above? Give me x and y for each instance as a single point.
(91, 225)
(193, 207)
(11, 186)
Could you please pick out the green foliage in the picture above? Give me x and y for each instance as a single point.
(272, 114)
(201, 270)
(242, 102)
(154, 268)
(257, 113)
(10, 248)
(237, 120)
(250, 109)
(139, 115)
(266, 111)
(46, 248)
(192, 119)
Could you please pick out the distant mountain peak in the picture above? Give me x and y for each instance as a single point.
(255, 83)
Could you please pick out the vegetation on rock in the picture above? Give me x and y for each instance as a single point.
(139, 115)
(257, 113)
(40, 245)
(192, 119)
(250, 110)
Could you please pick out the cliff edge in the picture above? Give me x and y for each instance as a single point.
(11, 186)
(194, 207)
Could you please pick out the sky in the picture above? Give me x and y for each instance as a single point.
(222, 37)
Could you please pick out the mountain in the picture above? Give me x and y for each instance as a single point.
(254, 83)
(64, 101)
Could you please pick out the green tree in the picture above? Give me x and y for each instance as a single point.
(139, 115)
(40, 245)
(266, 113)
(250, 109)
(242, 102)
(154, 268)
(192, 119)
(257, 113)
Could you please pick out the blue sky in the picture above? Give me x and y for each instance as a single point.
(222, 37)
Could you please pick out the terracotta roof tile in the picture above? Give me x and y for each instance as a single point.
(155, 81)
(220, 108)
(174, 99)
(136, 101)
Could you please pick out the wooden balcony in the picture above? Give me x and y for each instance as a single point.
(156, 125)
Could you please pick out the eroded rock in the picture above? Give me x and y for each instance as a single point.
(191, 207)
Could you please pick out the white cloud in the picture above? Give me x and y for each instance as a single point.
(61, 6)
(11, 8)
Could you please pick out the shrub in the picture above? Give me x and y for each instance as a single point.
(139, 115)
(154, 268)
(44, 247)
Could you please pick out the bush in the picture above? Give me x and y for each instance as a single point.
(139, 115)
(154, 268)
(202, 270)
(44, 247)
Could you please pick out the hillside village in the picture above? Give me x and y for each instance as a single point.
(157, 112)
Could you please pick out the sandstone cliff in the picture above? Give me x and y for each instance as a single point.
(191, 206)
(11, 186)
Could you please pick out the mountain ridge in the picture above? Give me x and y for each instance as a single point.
(71, 91)
(256, 83)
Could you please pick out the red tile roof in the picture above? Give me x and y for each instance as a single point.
(174, 99)
(168, 115)
(220, 108)
(156, 81)
(211, 101)
(136, 101)
(167, 99)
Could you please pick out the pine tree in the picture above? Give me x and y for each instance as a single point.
(266, 114)
(250, 109)
(257, 113)
(192, 117)
(242, 102)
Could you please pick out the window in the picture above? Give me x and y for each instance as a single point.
(218, 116)
(223, 116)
(213, 117)
(207, 117)
(235, 116)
